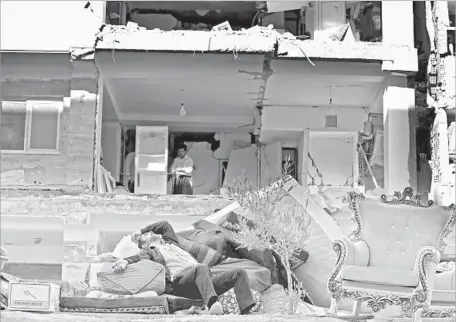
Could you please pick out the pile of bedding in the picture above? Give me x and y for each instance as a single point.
(211, 243)
(205, 243)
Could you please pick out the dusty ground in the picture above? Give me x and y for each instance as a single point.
(67, 317)
(62, 317)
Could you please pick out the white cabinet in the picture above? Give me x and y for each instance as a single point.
(151, 160)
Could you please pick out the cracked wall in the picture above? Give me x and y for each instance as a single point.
(73, 166)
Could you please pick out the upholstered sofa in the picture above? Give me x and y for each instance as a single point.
(391, 257)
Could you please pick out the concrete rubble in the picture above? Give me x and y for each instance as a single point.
(260, 40)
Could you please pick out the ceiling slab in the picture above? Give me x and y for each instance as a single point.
(153, 86)
(171, 65)
(298, 83)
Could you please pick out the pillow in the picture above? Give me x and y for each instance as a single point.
(94, 268)
(231, 306)
(73, 289)
(139, 277)
(92, 275)
(125, 248)
(202, 253)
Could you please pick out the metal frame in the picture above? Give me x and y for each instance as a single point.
(30, 105)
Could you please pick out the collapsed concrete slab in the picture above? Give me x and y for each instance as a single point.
(253, 40)
(394, 58)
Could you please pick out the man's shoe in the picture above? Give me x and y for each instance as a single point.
(216, 309)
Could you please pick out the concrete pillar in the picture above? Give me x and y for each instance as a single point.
(397, 23)
(112, 149)
(84, 108)
(399, 141)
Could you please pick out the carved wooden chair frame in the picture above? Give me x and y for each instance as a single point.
(415, 305)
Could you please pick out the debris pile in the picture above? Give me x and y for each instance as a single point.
(220, 39)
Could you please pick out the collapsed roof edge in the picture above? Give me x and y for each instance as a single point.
(255, 40)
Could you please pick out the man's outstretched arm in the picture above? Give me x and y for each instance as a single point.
(145, 253)
(163, 228)
(149, 254)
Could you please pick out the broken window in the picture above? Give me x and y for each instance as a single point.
(31, 126)
(290, 162)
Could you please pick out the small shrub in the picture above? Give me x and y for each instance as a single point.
(279, 226)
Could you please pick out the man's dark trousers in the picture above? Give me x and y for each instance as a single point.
(198, 282)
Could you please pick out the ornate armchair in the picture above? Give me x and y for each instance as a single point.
(391, 257)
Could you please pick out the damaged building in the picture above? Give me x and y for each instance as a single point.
(246, 85)
(342, 95)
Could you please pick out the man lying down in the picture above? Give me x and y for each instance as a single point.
(185, 277)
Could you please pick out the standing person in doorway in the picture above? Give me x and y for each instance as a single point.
(129, 170)
(182, 168)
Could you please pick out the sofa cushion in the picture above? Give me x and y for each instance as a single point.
(138, 277)
(95, 267)
(445, 281)
(380, 276)
(126, 248)
(91, 277)
(109, 239)
(202, 253)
